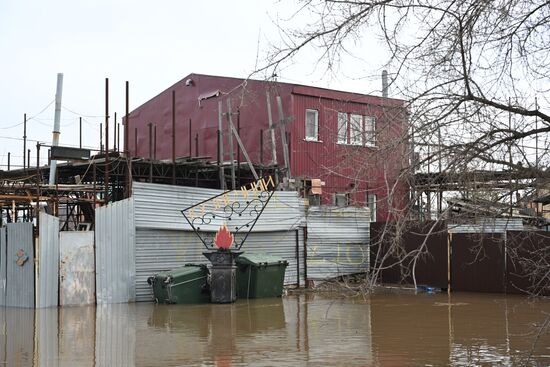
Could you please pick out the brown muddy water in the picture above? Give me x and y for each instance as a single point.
(305, 329)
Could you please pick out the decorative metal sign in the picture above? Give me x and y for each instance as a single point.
(235, 213)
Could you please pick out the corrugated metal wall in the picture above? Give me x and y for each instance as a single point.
(337, 241)
(164, 240)
(3, 253)
(115, 253)
(488, 225)
(20, 278)
(48, 261)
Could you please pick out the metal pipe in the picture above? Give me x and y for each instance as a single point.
(127, 126)
(173, 137)
(114, 134)
(190, 138)
(106, 175)
(56, 124)
(9, 161)
(29, 158)
(24, 139)
(155, 142)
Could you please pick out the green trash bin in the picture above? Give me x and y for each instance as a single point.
(188, 284)
(260, 275)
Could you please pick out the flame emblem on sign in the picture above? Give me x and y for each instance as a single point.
(224, 239)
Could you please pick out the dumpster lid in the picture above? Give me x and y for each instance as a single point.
(257, 259)
(187, 269)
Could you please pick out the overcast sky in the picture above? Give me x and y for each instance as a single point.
(152, 45)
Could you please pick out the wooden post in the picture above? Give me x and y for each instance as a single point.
(231, 151)
(250, 165)
(271, 131)
(221, 152)
(283, 136)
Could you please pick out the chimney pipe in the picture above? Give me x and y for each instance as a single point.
(384, 84)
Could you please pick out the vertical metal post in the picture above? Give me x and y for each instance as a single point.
(80, 132)
(190, 139)
(114, 133)
(150, 152)
(106, 168)
(28, 158)
(24, 139)
(196, 144)
(155, 142)
(173, 137)
(127, 126)
(9, 161)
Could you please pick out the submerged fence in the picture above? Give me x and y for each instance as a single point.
(473, 258)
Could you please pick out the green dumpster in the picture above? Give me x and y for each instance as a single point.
(260, 275)
(183, 285)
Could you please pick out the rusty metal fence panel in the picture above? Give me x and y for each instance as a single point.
(48, 261)
(477, 263)
(337, 241)
(3, 253)
(20, 265)
(76, 268)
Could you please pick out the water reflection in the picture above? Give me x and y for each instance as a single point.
(309, 329)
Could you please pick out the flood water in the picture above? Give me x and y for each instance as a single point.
(306, 329)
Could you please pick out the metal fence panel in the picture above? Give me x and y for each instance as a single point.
(20, 265)
(48, 261)
(76, 268)
(115, 252)
(3, 253)
(477, 263)
(160, 250)
(159, 206)
(488, 225)
(337, 241)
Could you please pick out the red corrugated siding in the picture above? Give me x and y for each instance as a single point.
(348, 168)
(339, 166)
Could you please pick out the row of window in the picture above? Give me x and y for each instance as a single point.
(353, 129)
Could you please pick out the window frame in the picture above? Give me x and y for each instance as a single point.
(316, 125)
(342, 138)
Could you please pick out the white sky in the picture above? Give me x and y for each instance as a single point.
(152, 45)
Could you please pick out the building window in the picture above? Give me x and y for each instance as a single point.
(312, 125)
(341, 199)
(342, 128)
(356, 130)
(370, 131)
(371, 204)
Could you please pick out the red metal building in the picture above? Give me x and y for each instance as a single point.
(352, 142)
